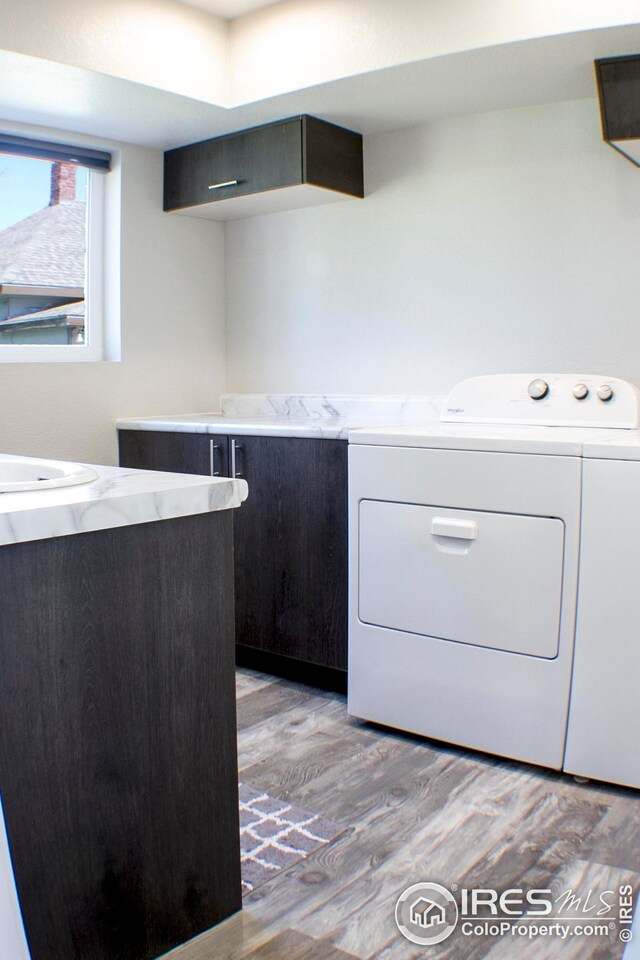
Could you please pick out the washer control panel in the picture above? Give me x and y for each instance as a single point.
(568, 400)
(538, 389)
(605, 392)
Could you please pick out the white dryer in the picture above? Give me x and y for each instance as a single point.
(464, 557)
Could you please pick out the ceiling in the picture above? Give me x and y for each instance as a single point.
(229, 9)
(537, 71)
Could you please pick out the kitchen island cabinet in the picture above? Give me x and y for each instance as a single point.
(118, 768)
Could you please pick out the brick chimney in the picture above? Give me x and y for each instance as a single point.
(63, 183)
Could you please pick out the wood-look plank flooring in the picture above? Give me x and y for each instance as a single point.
(414, 810)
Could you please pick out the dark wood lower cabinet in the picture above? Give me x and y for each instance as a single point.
(174, 452)
(291, 549)
(118, 767)
(290, 541)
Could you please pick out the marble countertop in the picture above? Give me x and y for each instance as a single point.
(295, 415)
(331, 429)
(118, 498)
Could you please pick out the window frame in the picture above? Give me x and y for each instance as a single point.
(94, 347)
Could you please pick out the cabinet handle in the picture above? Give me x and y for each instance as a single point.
(235, 449)
(213, 449)
(223, 183)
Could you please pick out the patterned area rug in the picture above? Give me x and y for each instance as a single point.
(275, 834)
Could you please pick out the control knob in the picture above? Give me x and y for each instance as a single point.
(580, 391)
(538, 389)
(605, 392)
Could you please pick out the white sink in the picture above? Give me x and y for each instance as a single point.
(18, 473)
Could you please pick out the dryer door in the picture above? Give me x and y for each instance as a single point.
(486, 579)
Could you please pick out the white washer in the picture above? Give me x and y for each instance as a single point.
(602, 739)
(464, 555)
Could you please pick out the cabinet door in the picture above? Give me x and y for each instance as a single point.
(263, 158)
(174, 452)
(619, 88)
(291, 548)
(118, 763)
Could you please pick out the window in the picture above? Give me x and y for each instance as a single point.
(51, 225)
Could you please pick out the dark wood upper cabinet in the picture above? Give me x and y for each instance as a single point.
(292, 163)
(618, 81)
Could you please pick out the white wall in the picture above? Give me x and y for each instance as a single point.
(502, 242)
(160, 43)
(298, 43)
(172, 312)
(284, 47)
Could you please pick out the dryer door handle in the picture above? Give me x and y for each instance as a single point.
(460, 529)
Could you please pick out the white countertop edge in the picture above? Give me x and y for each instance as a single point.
(323, 429)
(117, 498)
(326, 429)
